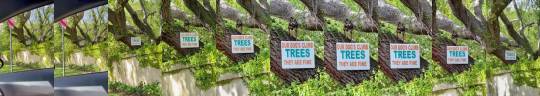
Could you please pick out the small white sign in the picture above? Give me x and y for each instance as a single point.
(510, 55)
(297, 54)
(457, 55)
(135, 41)
(404, 56)
(189, 40)
(352, 56)
(242, 44)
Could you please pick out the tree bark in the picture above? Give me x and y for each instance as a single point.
(19, 31)
(72, 32)
(118, 26)
(221, 35)
(143, 26)
(522, 41)
(439, 44)
(478, 10)
(204, 14)
(170, 33)
(257, 12)
(490, 38)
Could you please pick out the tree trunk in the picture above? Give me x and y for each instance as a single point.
(118, 25)
(490, 37)
(522, 41)
(170, 34)
(439, 43)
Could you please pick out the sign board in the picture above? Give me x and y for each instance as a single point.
(297, 54)
(189, 40)
(510, 55)
(352, 56)
(457, 54)
(135, 41)
(404, 56)
(242, 44)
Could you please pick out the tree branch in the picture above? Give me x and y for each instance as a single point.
(202, 13)
(284, 10)
(117, 25)
(518, 12)
(522, 41)
(478, 10)
(257, 12)
(138, 22)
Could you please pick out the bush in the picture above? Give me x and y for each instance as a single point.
(143, 89)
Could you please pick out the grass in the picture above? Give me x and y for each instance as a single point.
(74, 70)
(18, 67)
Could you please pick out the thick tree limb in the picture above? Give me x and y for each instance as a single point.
(204, 14)
(478, 10)
(439, 43)
(538, 36)
(19, 31)
(370, 8)
(71, 30)
(384, 53)
(315, 10)
(521, 40)
(257, 12)
(491, 37)
(221, 35)
(520, 18)
(118, 26)
(493, 23)
(30, 33)
(232, 14)
(169, 34)
(145, 27)
(284, 10)
(422, 10)
(468, 19)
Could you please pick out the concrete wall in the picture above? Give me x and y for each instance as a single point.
(129, 72)
(181, 83)
(502, 85)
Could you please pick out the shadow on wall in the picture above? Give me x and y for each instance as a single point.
(129, 72)
(181, 83)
